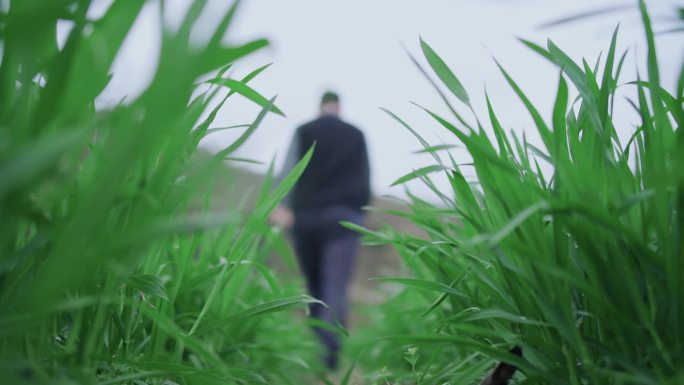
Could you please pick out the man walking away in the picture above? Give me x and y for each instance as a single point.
(333, 188)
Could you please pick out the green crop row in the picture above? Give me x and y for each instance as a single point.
(113, 269)
(582, 267)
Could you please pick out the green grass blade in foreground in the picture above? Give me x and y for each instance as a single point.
(264, 308)
(29, 162)
(444, 73)
(440, 93)
(243, 89)
(423, 171)
(424, 284)
(248, 132)
(543, 129)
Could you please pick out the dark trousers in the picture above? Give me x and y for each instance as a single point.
(326, 253)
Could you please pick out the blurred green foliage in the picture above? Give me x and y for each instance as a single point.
(112, 267)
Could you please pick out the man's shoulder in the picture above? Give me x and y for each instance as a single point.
(325, 123)
(350, 127)
(310, 125)
(356, 132)
(306, 126)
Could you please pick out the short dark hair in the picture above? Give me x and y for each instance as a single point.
(329, 97)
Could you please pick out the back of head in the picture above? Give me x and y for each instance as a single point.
(330, 103)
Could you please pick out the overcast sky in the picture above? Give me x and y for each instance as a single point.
(357, 48)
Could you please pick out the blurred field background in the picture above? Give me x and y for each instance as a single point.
(129, 254)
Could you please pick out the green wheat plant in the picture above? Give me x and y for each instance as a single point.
(114, 269)
(582, 267)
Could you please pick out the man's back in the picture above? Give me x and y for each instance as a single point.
(337, 175)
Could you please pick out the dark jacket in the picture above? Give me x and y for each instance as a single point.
(338, 173)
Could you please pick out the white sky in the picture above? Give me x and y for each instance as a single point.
(355, 48)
